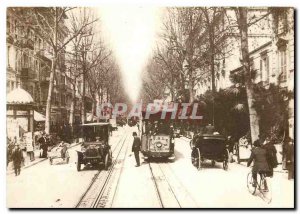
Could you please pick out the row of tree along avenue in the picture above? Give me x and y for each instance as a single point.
(70, 42)
(237, 63)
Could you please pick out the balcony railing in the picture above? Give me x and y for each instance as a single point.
(44, 55)
(24, 43)
(27, 73)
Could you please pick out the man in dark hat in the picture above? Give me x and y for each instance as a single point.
(136, 148)
(268, 145)
(43, 141)
(209, 129)
(17, 157)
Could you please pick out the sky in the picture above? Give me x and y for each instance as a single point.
(131, 32)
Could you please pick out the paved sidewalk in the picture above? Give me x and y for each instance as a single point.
(28, 163)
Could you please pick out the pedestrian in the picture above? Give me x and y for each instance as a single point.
(10, 148)
(30, 147)
(209, 129)
(230, 143)
(64, 148)
(17, 157)
(136, 148)
(43, 141)
(110, 129)
(290, 158)
(268, 145)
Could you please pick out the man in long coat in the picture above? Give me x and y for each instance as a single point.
(17, 157)
(43, 145)
(271, 155)
(290, 158)
(136, 148)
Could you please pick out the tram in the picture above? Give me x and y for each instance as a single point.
(157, 136)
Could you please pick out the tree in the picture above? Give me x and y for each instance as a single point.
(49, 23)
(87, 51)
(179, 54)
(242, 21)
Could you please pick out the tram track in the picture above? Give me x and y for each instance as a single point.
(93, 196)
(107, 197)
(165, 194)
(170, 191)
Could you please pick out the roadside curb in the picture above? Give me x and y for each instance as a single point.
(37, 162)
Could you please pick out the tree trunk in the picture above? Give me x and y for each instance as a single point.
(72, 108)
(191, 92)
(253, 116)
(212, 68)
(83, 114)
(94, 105)
(49, 98)
(52, 73)
(98, 106)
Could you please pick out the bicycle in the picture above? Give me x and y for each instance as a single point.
(262, 186)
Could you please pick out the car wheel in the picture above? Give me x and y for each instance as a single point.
(196, 158)
(226, 160)
(78, 165)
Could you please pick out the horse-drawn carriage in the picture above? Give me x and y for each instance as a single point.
(209, 147)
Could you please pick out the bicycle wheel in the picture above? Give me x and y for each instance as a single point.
(265, 189)
(251, 187)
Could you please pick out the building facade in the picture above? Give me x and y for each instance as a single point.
(29, 65)
(271, 52)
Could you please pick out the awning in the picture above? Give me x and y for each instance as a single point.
(38, 116)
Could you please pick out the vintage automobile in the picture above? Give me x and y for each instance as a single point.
(209, 147)
(157, 137)
(59, 151)
(95, 148)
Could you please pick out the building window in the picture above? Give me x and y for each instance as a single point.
(8, 48)
(8, 86)
(63, 80)
(264, 68)
(282, 65)
(8, 26)
(79, 87)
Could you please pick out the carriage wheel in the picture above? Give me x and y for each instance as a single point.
(106, 164)
(110, 157)
(225, 161)
(196, 158)
(78, 165)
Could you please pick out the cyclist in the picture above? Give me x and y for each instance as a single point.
(259, 158)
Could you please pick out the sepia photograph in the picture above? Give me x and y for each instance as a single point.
(150, 107)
